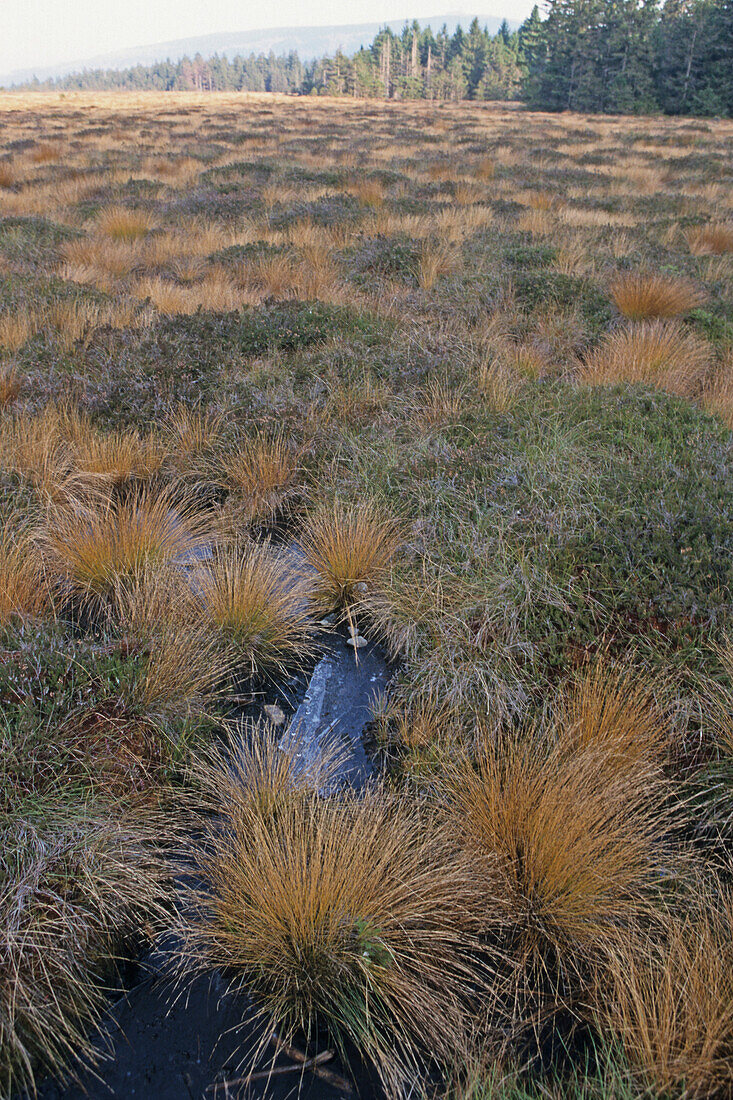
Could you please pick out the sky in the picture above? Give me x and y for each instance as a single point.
(37, 33)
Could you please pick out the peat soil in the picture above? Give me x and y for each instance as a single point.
(171, 1041)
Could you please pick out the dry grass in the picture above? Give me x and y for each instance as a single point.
(350, 547)
(45, 153)
(118, 456)
(718, 395)
(54, 936)
(17, 328)
(190, 431)
(23, 591)
(262, 472)
(669, 1001)
(656, 353)
(710, 240)
(642, 297)
(34, 449)
(122, 224)
(351, 914)
(256, 600)
(435, 262)
(90, 547)
(617, 711)
(10, 385)
(7, 174)
(368, 192)
(575, 838)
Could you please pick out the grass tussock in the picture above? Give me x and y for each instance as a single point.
(350, 914)
(89, 547)
(262, 472)
(615, 710)
(7, 174)
(253, 598)
(122, 224)
(55, 936)
(435, 262)
(642, 297)
(186, 664)
(23, 591)
(574, 837)
(710, 240)
(350, 547)
(655, 353)
(718, 394)
(668, 999)
(10, 385)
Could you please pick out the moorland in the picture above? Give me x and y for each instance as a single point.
(472, 368)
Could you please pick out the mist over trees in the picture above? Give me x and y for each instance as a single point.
(617, 56)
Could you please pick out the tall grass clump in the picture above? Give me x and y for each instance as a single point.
(350, 547)
(344, 914)
(10, 385)
(59, 938)
(262, 471)
(89, 547)
(710, 240)
(576, 838)
(668, 999)
(258, 604)
(655, 353)
(643, 297)
(23, 589)
(186, 664)
(122, 224)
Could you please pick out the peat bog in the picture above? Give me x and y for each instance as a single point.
(412, 421)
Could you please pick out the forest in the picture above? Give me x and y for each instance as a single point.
(606, 56)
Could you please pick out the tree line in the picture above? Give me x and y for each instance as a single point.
(617, 56)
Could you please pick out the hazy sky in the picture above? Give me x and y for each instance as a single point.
(49, 32)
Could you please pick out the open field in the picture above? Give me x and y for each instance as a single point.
(456, 379)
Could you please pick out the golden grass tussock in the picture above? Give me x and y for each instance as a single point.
(32, 447)
(186, 665)
(435, 262)
(710, 240)
(369, 192)
(498, 383)
(641, 297)
(120, 223)
(23, 589)
(118, 456)
(668, 1000)
(485, 169)
(53, 937)
(88, 546)
(718, 394)
(45, 153)
(615, 709)
(656, 353)
(575, 838)
(353, 914)
(191, 430)
(103, 257)
(10, 384)
(216, 291)
(350, 547)
(8, 176)
(18, 327)
(262, 472)
(257, 600)
(440, 403)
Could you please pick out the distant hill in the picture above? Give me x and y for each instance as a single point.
(310, 43)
